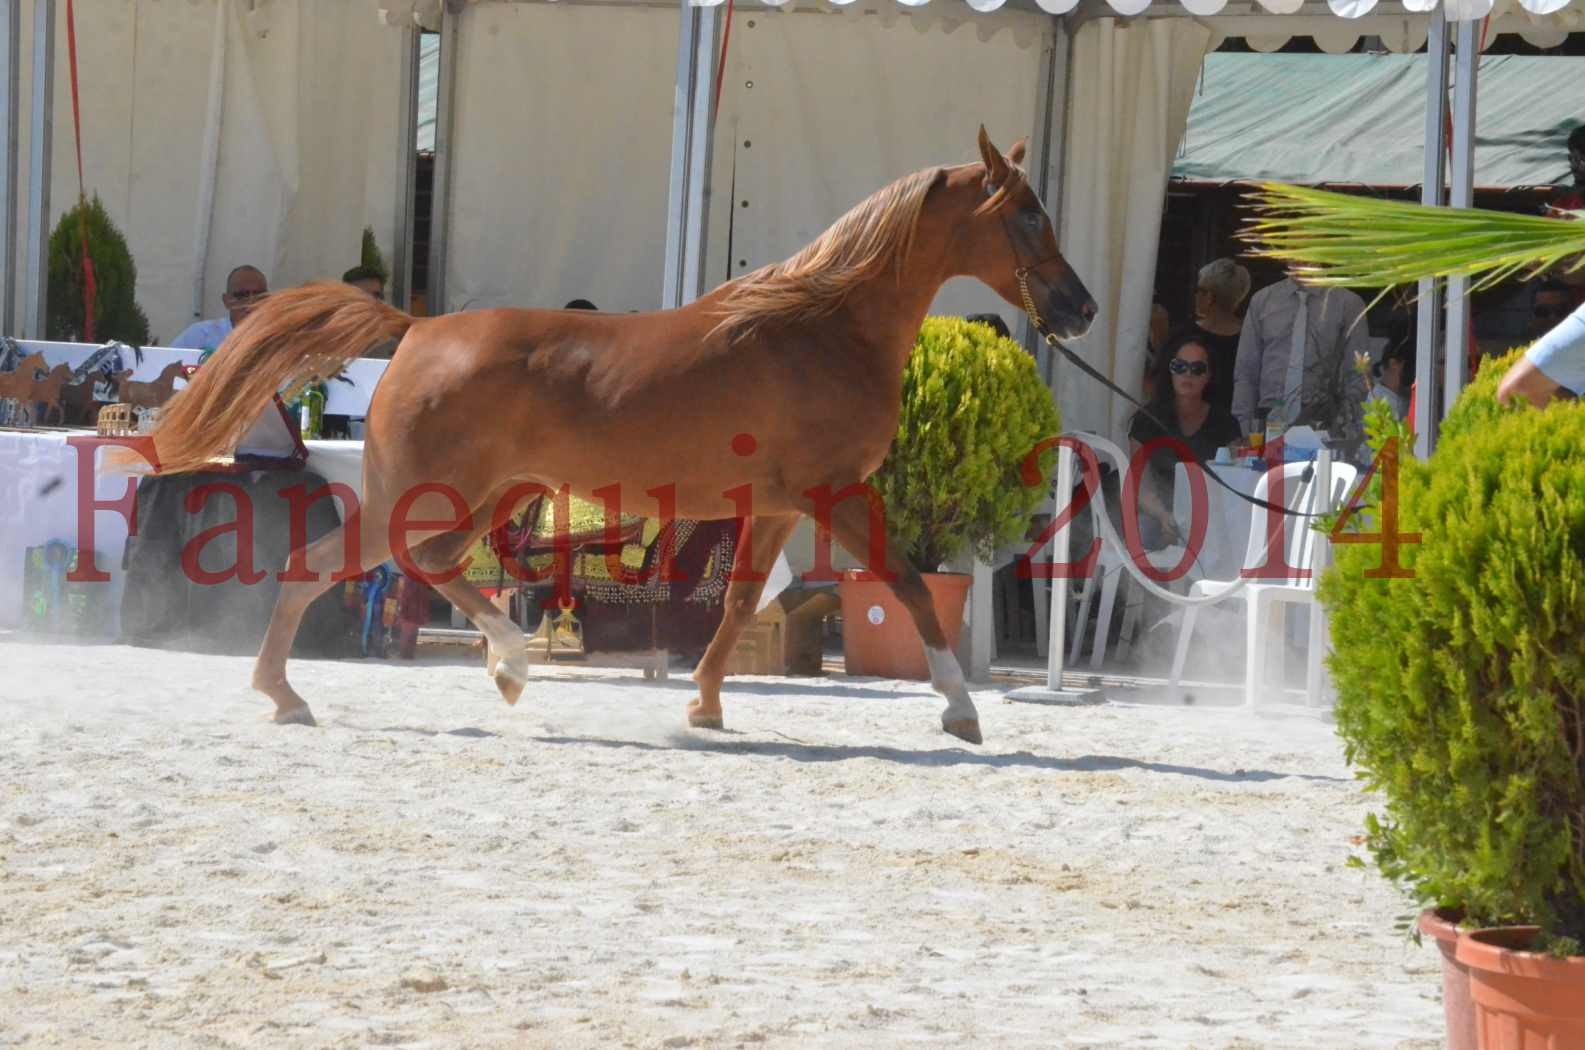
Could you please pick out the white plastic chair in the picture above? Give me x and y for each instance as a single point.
(1302, 547)
(1109, 570)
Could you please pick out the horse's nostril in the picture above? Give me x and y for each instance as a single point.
(1088, 311)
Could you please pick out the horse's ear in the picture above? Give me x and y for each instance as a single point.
(1015, 155)
(995, 163)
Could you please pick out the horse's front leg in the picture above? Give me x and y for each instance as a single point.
(759, 544)
(850, 524)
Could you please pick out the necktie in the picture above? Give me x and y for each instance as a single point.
(1293, 382)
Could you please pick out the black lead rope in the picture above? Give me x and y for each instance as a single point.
(1304, 479)
(1022, 274)
(1056, 344)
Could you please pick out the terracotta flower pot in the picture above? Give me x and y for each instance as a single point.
(1457, 1005)
(1524, 1000)
(878, 636)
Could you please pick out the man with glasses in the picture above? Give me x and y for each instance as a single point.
(245, 287)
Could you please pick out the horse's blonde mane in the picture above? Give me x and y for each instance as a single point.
(876, 233)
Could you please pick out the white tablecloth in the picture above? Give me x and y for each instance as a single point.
(39, 503)
(1227, 518)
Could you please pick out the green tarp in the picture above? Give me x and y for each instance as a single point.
(1361, 119)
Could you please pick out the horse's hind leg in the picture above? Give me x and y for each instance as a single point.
(436, 557)
(324, 557)
(766, 537)
(851, 526)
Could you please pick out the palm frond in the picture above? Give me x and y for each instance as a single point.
(1340, 240)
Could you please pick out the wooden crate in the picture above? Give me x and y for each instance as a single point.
(762, 647)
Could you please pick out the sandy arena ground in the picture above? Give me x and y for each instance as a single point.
(433, 868)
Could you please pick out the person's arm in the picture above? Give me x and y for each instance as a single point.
(1525, 380)
(1149, 499)
(1246, 368)
(1556, 362)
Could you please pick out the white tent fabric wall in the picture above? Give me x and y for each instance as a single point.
(840, 106)
(306, 145)
(562, 145)
(1131, 87)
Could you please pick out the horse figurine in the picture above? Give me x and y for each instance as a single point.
(78, 397)
(152, 394)
(18, 384)
(774, 396)
(47, 391)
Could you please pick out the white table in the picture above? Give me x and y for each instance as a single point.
(39, 503)
(1227, 517)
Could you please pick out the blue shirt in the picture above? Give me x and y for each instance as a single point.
(203, 335)
(1560, 354)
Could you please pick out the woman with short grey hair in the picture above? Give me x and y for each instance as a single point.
(1221, 287)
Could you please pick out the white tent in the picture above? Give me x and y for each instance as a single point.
(215, 133)
(577, 154)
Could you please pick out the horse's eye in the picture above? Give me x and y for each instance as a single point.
(1032, 221)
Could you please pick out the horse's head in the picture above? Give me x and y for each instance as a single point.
(1012, 247)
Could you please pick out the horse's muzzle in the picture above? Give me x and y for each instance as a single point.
(1069, 310)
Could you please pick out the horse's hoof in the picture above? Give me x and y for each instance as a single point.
(701, 718)
(297, 716)
(965, 729)
(510, 684)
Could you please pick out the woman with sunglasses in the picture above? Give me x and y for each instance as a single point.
(1184, 407)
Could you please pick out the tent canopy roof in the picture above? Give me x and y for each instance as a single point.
(1561, 14)
(1360, 119)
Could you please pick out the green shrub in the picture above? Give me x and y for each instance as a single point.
(1461, 691)
(973, 408)
(117, 315)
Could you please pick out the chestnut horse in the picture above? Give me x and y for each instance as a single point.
(777, 384)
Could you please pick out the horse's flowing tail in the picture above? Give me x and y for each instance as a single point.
(289, 338)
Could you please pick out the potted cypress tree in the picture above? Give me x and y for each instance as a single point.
(370, 255)
(1461, 698)
(973, 407)
(1461, 687)
(117, 316)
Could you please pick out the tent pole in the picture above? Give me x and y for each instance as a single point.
(40, 147)
(1465, 74)
(400, 292)
(1056, 644)
(445, 130)
(692, 130)
(1428, 331)
(10, 104)
(1044, 161)
(1046, 155)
